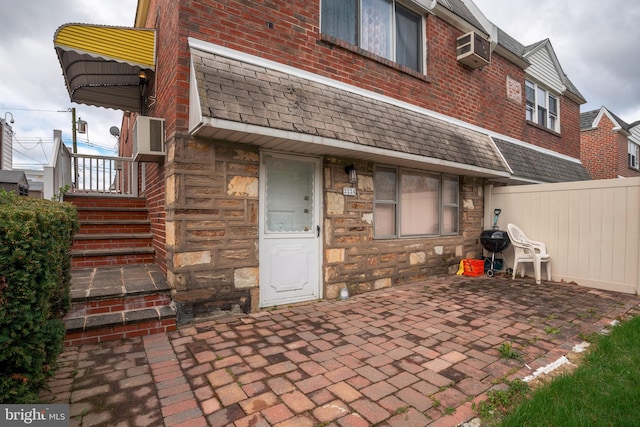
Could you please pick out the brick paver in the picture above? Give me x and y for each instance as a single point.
(416, 355)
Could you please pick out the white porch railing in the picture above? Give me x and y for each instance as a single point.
(117, 176)
(89, 174)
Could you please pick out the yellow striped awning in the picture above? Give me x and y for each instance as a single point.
(101, 65)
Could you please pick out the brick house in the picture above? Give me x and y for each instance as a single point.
(610, 147)
(315, 146)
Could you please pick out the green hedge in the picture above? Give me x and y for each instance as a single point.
(35, 239)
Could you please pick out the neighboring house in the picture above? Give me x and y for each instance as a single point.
(14, 182)
(610, 147)
(313, 146)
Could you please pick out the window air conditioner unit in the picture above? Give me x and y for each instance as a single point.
(148, 139)
(473, 50)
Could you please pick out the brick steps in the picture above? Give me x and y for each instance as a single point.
(113, 231)
(116, 289)
(109, 303)
(79, 262)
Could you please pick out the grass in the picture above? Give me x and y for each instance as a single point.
(551, 330)
(507, 351)
(499, 402)
(603, 391)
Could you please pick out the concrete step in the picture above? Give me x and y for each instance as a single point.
(112, 251)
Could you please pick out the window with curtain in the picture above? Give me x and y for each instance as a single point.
(411, 204)
(541, 106)
(383, 27)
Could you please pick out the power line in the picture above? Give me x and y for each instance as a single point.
(30, 158)
(31, 109)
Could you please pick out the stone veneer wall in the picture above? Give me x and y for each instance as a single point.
(212, 224)
(212, 229)
(353, 259)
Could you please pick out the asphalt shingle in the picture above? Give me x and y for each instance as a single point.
(236, 91)
(540, 166)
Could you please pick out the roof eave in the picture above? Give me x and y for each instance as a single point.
(511, 57)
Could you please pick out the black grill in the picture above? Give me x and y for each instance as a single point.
(494, 240)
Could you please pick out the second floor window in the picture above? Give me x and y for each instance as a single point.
(634, 155)
(383, 27)
(542, 106)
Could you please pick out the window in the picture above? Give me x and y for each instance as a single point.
(634, 155)
(409, 203)
(383, 27)
(542, 106)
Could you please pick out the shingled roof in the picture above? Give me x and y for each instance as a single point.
(279, 107)
(537, 165)
(587, 118)
(13, 177)
(236, 91)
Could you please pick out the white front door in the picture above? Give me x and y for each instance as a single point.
(289, 229)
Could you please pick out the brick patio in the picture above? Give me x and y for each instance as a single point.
(413, 355)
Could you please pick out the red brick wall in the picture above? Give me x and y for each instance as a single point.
(155, 195)
(478, 97)
(623, 160)
(567, 141)
(600, 150)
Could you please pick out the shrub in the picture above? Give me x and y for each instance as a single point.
(35, 280)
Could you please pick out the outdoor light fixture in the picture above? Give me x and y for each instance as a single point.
(8, 113)
(142, 75)
(351, 171)
(143, 81)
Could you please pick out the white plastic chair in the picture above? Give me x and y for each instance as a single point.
(527, 250)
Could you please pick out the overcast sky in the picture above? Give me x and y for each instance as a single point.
(596, 43)
(32, 88)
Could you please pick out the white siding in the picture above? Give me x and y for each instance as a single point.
(543, 69)
(6, 145)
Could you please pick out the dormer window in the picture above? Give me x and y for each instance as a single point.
(542, 107)
(383, 27)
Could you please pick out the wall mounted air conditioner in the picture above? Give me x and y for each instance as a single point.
(148, 139)
(473, 50)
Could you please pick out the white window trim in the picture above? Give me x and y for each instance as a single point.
(633, 151)
(534, 116)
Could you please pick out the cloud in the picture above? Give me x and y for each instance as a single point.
(595, 43)
(32, 88)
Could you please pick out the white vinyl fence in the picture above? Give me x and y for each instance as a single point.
(591, 228)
